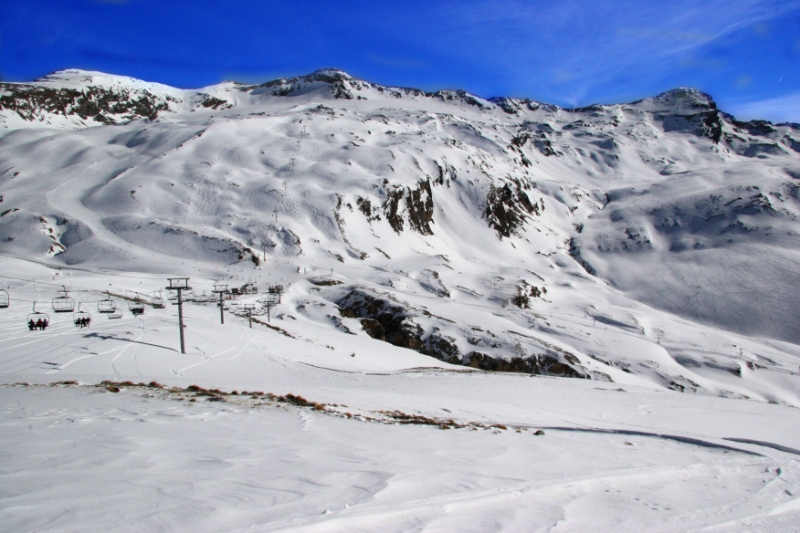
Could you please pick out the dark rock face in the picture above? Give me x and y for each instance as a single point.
(365, 206)
(382, 319)
(391, 208)
(525, 293)
(420, 208)
(690, 100)
(509, 207)
(341, 90)
(102, 105)
(755, 127)
(535, 364)
(329, 75)
(458, 96)
(706, 124)
(325, 282)
(545, 146)
(712, 126)
(792, 143)
(509, 105)
(575, 252)
(212, 102)
(516, 145)
(391, 322)
(341, 84)
(513, 106)
(419, 205)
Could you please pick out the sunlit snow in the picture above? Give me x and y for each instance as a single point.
(621, 278)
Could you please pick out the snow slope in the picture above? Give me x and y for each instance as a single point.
(438, 200)
(423, 239)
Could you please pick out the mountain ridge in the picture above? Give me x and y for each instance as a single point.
(336, 78)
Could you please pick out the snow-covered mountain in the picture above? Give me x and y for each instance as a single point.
(654, 242)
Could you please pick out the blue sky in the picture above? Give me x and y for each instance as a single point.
(745, 53)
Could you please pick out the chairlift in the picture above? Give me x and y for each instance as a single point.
(4, 300)
(63, 303)
(189, 296)
(115, 314)
(136, 307)
(135, 303)
(202, 297)
(276, 291)
(106, 305)
(248, 288)
(81, 319)
(37, 320)
(157, 300)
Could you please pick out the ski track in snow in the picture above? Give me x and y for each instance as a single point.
(274, 472)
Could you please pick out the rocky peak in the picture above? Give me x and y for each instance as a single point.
(329, 75)
(680, 101)
(449, 95)
(513, 106)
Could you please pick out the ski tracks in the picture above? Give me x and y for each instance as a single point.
(209, 358)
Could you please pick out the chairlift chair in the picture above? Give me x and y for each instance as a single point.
(136, 307)
(106, 305)
(157, 301)
(276, 291)
(37, 320)
(115, 314)
(135, 303)
(202, 297)
(4, 299)
(63, 303)
(81, 319)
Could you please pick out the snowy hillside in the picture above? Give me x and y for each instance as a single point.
(495, 234)
(649, 247)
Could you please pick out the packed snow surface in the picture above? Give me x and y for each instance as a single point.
(456, 275)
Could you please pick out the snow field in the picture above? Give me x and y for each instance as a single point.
(74, 454)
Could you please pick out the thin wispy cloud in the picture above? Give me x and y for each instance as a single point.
(782, 109)
(570, 50)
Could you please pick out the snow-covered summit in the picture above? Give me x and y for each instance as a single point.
(682, 100)
(81, 79)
